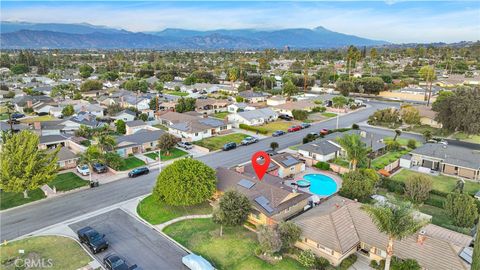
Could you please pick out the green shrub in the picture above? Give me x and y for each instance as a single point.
(130, 155)
(28, 110)
(322, 165)
(355, 126)
(319, 109)
(374, 264)
(307, 258)
(392, 185)
(322, 263)
(300, 115)
(346, 263)
(408, 264)
(439, 193)
(435, 200)
(412, 144)
(256, 129)
(86, 143)
(148, 149)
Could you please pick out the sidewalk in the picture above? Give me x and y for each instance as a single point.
(160, 227)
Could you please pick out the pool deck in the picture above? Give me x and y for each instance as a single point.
(310, 170)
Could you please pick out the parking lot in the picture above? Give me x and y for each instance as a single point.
(135, 241)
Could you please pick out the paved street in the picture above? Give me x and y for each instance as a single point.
(134, 241)
(25, 220)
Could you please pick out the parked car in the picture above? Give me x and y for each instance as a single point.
(316, 134)
(285, 117)
(92, 239)
(185, 145)
(305, 125)
(42, 113)
(196, 262)
(229, 146)
(278, 133)
(99, 168)
(249, 140)
(138, 171)
(17, 115)
(294, 128)
(13, 122)
(83, 169)
(324, 131)
(115, 262)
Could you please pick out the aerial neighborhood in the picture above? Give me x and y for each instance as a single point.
(355, 157)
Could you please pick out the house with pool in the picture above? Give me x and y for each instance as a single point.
(339, 227)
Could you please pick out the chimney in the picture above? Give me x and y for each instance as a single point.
(421, 237)
(37, 125)
(240, 169)
(29, 103)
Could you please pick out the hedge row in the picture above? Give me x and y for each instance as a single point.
(323, 165)
(256, 129)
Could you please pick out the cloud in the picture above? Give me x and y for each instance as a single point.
(396, 21)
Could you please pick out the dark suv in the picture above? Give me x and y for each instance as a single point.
(115, 262)
(138, 171)
(229, 146)
(92, 239)
(99, 168)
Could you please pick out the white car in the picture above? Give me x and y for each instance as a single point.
(83, 170)
(196, 262)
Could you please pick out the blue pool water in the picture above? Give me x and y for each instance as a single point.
(321, 184)
(303, 183)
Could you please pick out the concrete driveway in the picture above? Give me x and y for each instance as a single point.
(136, 242)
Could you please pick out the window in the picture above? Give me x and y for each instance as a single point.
(196, 134)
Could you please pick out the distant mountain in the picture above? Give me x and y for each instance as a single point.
(85, 36)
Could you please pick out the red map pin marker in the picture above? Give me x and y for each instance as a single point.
(260, 168)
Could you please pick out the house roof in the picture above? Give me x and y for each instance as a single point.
(198, 124)
(340, 224)
(65, 154)
(268, 196)
(451, 154)
(296, 105)
(285, 160)
(52, 138)
(425, 111)
(140, 137)
(251, 94)
(176, 117)
(322, 147)
(126, 112)
(264, 113)
(135, 123)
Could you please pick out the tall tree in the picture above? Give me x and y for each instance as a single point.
(233, 210)
(289, 88)
(395, 219)
(289, 234)
(427, 73)
(166, 142)
(92, 155)
(462, 209)
(24, 167)
(398, 132)
(355, 148)
(106, 142)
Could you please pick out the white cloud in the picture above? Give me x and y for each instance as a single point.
(402, 25)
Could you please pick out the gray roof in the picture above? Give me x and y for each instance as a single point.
(127, 112)
(251, 94)
(451, 154)
(198, 124)
(265, 113)
(141, 136)
(369, 138)
(66, 154)
(52, 138)
(135, 123)
(322, 147)
(286, 160)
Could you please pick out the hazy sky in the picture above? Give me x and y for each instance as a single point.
(395, 21)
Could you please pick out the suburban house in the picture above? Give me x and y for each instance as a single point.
(339, 227)
(82, 118)
(288, 107)
(125, 115)
(139, 102)
(21, 102)
(139, 142)
(448, 159)
(253, 97)
(254, 117)
(210, 105)
(239, 107)
(94, 109)
(276, 100)
(134, 126)
(327, 148)
(288, 165)
(52, 141)
(66, 159)
(427, 116)
(272, 201)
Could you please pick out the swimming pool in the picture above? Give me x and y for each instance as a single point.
(321, 184)
(303, 183)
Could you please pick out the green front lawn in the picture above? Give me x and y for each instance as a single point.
(403, 141)
(38, 119)
(3, 116)
(217, 142)
(67, 181)
(131, 162)
(157, 212)
(173, 153)
(12, 199)
(329, 114)
(422, 128)
(441, 182)
(160, 126)
(221, 115)
(340, 162)
(63, 252)
(384, 160)
(467, 138)
(176, 93)
(234, 250)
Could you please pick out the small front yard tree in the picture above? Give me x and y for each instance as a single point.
(185, 182)
(233, 210)
(269, 240)
(289, 234)
(462, 209)
(121, 126)
(274, 145)
(396, 220)
(24, 167)
(68, 110)
(166, 142)
(359, 184)
(300, 115)
(418, 187)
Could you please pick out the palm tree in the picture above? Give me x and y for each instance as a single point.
(10, 109)
(106, 142)
(398, 132)
(394, 218)
(92, 155)
(356, 149)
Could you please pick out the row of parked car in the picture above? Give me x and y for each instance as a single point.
(232, 145)
(97, 242)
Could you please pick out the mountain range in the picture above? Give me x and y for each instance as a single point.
(87, 36)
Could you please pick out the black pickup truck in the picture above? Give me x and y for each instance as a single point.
(92, 239)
